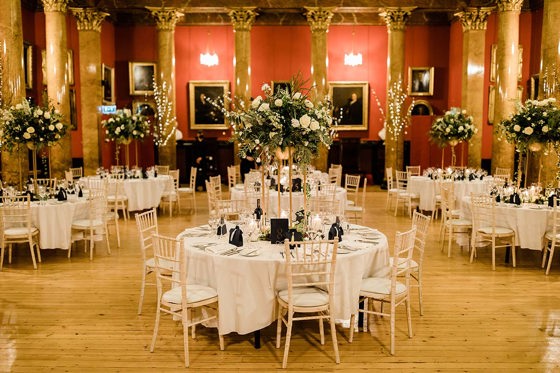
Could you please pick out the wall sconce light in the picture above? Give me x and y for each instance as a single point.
(209, 59)
(351, 59)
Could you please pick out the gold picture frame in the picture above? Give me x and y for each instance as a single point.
(350, 105)
(73, 110)
(534, 87)
(108, 84)
(491, 103)
(202, 114)
(144, 107)
(494, 63)
(141, 77)
(420, 107)
(276, 85)
(28, 64)
(70, 66)
(421, 81)
(44, 65)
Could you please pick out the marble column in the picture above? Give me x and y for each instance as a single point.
(319, 20)
(89, 36)
(550, 65)
(395, 19)
(507, 59)
(242, 20)
(12, 86)
(57, 79)
(474, 30)
(166, 19)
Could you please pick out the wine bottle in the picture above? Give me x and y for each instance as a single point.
(258, 211)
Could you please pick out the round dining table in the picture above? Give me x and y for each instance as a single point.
(247, 281)
(54, 220)
(238, 193)
(529, 221)
(427, 189)
(142, 194)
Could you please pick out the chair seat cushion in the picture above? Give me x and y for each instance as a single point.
(500, 231)
(306, 297)
(195, 293)
(19, 231)
(549, 235)
(185, 190)
(86, 223)
(380, 286)
(413, 263)
(459, 222)
(151, 263)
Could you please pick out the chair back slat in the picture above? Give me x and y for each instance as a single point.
(147, 225)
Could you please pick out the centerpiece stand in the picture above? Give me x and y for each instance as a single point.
(31, 146)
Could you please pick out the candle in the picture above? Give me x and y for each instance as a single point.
(316, 223)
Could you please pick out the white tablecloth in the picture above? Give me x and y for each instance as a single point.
(528, 221)
(427, 189)
(142, 194)
(54, 221)
(247, 286)
(238, 193)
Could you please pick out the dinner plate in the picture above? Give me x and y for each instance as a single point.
(250, 252)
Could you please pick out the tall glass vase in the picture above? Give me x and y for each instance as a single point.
(33, 149)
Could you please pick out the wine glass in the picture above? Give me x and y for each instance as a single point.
(213, 222)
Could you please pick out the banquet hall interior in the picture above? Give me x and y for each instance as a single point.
(379, 82)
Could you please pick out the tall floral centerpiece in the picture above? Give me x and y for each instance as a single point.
(453, 127)
(123, 127)
(534, 125)
(34, 126)
(285, 123)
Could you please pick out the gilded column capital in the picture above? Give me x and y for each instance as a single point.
(474, 18)
(55, 5)
(242, 18)
(88, 19)
(319, 18)
(396, 18)
(509, 5)
(166, 18)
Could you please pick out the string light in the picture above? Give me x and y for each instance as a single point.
(166, 123)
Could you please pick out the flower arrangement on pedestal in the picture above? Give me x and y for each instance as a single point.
(123, 127)
(533, 124)
(282, 120)
(455, 126)
(36, 126)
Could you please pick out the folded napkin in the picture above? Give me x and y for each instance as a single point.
(220, 248)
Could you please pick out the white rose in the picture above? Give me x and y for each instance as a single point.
(26, 136)
(278, 102)
(314, 126)
(47, 115)
(545, 129)
(297, 96)
(517, 128)
(305, 121)
(447, 130)
(257, 141)
(122, 126)
(127, 112)
(265, 87)
(30, 129)
(135, 132)
(528, 131)
(295, 123)
(51, 128)
(39, 112)
(271, 134)
(264, 107)
(59, 126)
(111, 120)
(256, 102)
(309, 104)
(19, 106)
(461, 128)
(134, 118)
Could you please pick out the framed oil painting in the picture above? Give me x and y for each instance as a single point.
(108, 83)
(144, 107)
(281, 85)
(420, 81)
(141, 77)
(28, 65)
(73, 110)
(421, 107)
(494, 63)
(202, 114)
(350, 105)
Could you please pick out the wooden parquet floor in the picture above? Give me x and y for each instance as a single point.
(77, 315)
